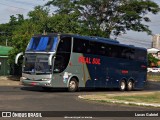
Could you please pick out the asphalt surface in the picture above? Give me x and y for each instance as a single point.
(20, 98)
(35, 99)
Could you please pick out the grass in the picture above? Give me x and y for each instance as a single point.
(148, 98)
(153, 77)
(142, 97)
(152, 98)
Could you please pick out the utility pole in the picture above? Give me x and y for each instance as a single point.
(6, 42)
(5, 34)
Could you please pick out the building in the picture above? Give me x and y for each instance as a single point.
(156, 41)
(4, 66)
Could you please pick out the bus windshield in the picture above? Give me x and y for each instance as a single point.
(42, 44)
(36, 64)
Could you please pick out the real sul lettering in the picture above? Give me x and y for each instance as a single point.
(89, 60)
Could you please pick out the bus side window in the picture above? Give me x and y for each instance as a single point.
(128, 53)
(99, 48)
(140, 55)
(81, 46)
(63, 54)
(59, 63)
(64, 45)
(88, 51)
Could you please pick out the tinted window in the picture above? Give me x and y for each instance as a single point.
(128, 53)
(64, 44)
(42, 43)
(99, 48)
(81, 46)
(63, 55)
(110, 50)
(141, 55)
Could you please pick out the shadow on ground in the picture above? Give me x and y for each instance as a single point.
(13, 78)
(150, 86)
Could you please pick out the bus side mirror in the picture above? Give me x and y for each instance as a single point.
(50, 59)
(17, 57)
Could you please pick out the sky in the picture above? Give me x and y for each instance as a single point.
(140, 39)
(13, 7)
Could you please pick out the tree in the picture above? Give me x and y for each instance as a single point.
(63, 23)
(39, 16)
(7, 29)
(37, 22)
(4, 33)
(15, 21)
(152, 60)
(103, 17)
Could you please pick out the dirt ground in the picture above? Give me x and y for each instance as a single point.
(9, 81)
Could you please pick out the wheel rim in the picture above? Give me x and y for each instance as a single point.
(122, 85)
(72, 85)
(130, 85)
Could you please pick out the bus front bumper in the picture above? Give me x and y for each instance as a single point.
(28, 82)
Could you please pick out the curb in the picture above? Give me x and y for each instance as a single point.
(124, 102)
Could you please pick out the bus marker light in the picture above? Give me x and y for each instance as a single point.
(124, 71)
(143, 66)
(70, 64)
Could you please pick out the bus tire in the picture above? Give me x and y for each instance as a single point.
(130, 85)
(122, 85)
(73, 85)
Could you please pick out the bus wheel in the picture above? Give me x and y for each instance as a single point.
(122, 85)
(73, 85)
(130, 85)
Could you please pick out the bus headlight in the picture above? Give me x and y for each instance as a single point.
(46, 79)
(23, 78)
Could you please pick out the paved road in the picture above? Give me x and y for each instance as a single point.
(35, 99)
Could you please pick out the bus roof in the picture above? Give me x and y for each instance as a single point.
(95, 38)
(106, 40)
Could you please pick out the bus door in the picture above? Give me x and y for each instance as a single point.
(61, 60)
(99, 80)
(113, 72)
(97, 77)
(106, 80)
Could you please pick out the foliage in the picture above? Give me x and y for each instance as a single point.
(153, 76)
(6, 30)
(63, 23)
(85, 17)
(37, 23)
(101, 17)
(152, 60)
(39, 17)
